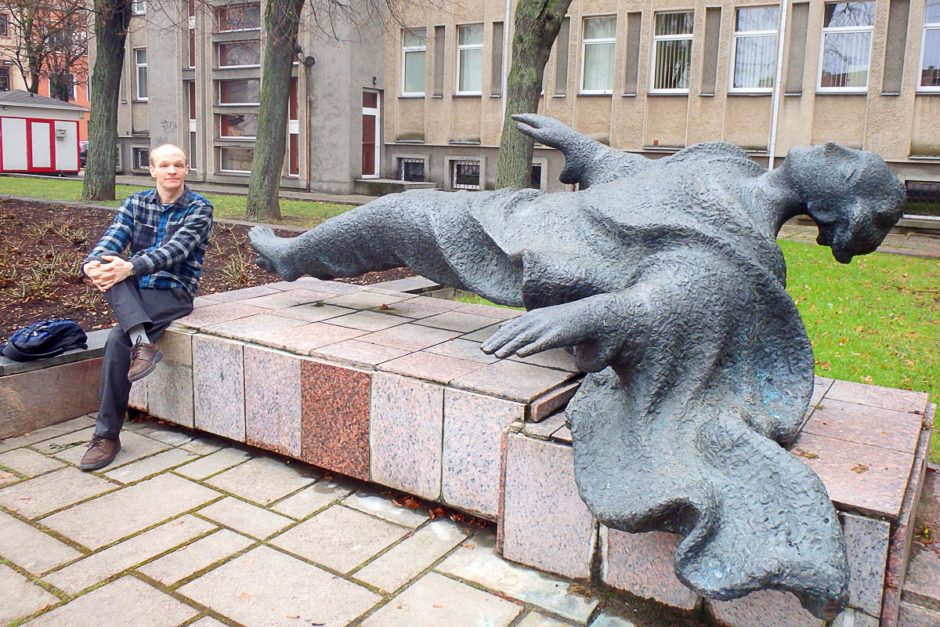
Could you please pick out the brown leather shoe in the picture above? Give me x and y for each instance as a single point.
(144, 358)
(101, 452)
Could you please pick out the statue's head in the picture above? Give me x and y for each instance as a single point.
(851, 195)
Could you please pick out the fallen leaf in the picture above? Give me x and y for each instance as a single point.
(805, 454)
(245, 596)
(437, 605)
(859, 468)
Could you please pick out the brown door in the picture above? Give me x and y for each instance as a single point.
(370, 132)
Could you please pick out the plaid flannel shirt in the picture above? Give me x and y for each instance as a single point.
(167, 245)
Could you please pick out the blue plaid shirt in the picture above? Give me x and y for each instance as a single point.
(167, 244)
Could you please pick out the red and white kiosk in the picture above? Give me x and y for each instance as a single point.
(38, 135)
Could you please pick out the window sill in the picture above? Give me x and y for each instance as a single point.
(751, 94)
(411, 96)
(592, 94)
(668, 94)
(923, 92)
(468, 95)
(841, 92)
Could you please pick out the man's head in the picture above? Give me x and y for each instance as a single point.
(169, 166)
(851, 195)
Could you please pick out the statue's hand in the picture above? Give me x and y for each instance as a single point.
(548, 131)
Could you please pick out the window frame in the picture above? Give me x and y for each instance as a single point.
(461, 47)
(9, 78)
(928, 26)
(594, 42)
(236, 147)
(218, 54)
(452, 173)
(235, 137)
(5, 21)
(400, 162)
(405, 51)
(653, 53)
(775, 33)
(237, 104)
(844, 30)
(136, 150)
(227, 7)
(139, 7)
(137, 82)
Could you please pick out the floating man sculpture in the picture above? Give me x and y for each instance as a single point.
(664, 280)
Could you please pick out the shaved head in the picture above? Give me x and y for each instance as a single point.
(166, 150)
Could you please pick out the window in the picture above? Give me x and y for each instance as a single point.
(4, 25)
(930, 56)
(139, 8)
(243, 91)
(754, 55)
(190, 89)
(240, 54)
(414, 48)
(535, 176)
(597, 55)
(239, 17)
(411, 170)
(141, 158)
(140, 60)
(238, 125)
(235, 160)
(4, 78)
(465, 175)
(672, 52)
(846, 46)
(470, 59)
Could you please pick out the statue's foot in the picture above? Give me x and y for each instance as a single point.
(272, 252)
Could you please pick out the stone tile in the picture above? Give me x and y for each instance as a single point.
(214, 463)
(244, 294)
(553, 400)
(857, 476)
(914, 616)
(544, 430)
(604, 619)
(866, 543)
(130, 602)
(315, 497)
(52, 491)
(303, 340)
(490, 311)
(539, 486)
(854, 618)
(315, 312)
(366, 300)
(164, 433)
(245, 518)
(272, 400)
(254, 328)
(534, 619)
(333, 287)
(409, 337)
(264, 479)
(406, 434)
(202, 445)
(768, 608)
(209, 315)
(877, 396)
(369, 321)
(463, 349)
(28, 462)
(8, 478)
(864, 424)
(66, 441)
(170, 393)
(133, 447)
(643, 564)
(138, 396)
(384, 508)
(421, 307)
(461, 321)
(483, 334)
(358, 353)
(207, 621)
(206, 300)
(47, 433)
(557, 358)
(821, 385)
(923, 575)
(512, 380)
(406, 560)
(562, 435)
(218, 387)
(99, 566)
(288, 298)
(473, 427)
(177, 347)
(340, 538)
(128, 511)
(438, 600)
(31, 549)
(264, 586)
(335, 418)
(430, 367)
(196, 556)
(19, 597)
(412, 284)
(151, 466)
(476, 560)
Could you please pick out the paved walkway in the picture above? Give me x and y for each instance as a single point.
(187, 529)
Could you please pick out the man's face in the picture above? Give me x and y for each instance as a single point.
(168, 167)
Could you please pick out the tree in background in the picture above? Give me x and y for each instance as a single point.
(537, 23)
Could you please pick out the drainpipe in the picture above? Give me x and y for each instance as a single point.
(778, 88)
(507, 37)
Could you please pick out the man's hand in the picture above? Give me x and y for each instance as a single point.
(106, 275)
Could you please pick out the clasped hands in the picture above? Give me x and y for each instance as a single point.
(105, 275)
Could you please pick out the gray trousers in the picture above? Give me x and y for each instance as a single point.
(132, 305)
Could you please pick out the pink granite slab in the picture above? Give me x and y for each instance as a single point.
(430, 367)
(272, 400)
(562, 435)
(877, 396)
(865, 424)
(463, 349)
(218, 387)
(335, 409)
(457, 321)
(409, 337)
(512, 380)
(767, 608)
(406, 434)
(866, 545)
(288, 298)
(369, 321)
(365, 300)
(543, 430)
(205, 300)
(421, 307)
(170, 393)
(491, 311)
(244, 294)
(473, 426)
(357, 353)
(307, 337)
(253, 328)
(643, 564)
(314, 312)
(557, 358)
(215, 314)
(553, 400)
(310, 283)
(543, 522)
(858, 477)
(483, 334)
(177, 346)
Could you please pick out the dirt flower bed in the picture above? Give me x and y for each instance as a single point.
(43, 244)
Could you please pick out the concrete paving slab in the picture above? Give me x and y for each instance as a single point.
(461, 321)
(245, 518)
(202, 444)
(534, 619)
(313, 498)
(264, 479)
(340, 538)
(214, 463)
(46, 433)
(99, 566)
(166, 435)
(195, 556)
(207, 621)
(31, 549)
(369, 321)
(265, 586)
(133, 447)
(408, 558)
(28, 462)
(52, 491)
(609, 620)
(19, 597)
(7, 478)
(437, 600)
(129, 510)
(127, 602)
(386, 510)
(65, 441)
(151, 465)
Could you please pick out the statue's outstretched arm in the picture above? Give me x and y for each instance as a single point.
(587, 162)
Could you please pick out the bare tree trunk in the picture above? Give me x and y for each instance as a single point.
(282, 20)
(111, 20)
(536, 27)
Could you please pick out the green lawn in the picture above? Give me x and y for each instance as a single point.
(230, 206)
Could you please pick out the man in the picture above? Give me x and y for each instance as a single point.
(167, 230)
